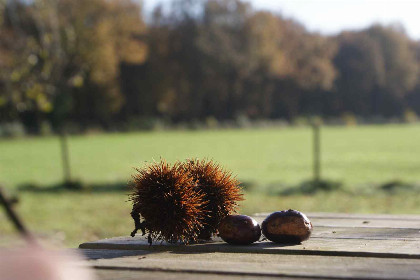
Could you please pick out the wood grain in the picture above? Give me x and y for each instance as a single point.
(123, 274)
(366, 233)
(315, 246)
(342, 246)
(261, 265)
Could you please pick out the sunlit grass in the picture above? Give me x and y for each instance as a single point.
(352, 155)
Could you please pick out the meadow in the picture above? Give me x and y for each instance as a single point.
(364, 159)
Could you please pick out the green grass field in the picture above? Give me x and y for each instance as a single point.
(362, 158)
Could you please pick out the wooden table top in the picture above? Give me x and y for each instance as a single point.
(342, 246)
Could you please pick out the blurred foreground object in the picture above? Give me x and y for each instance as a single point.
(35, 263)
(13, 217)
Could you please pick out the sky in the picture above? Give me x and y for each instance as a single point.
(332, 16)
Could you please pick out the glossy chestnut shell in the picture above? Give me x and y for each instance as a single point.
(289, 226)
(239, 230)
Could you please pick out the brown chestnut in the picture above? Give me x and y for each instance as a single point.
(239, 230)
(289, 226)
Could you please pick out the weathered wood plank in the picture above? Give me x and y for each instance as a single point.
(358, 222)
(260, 265)
(355, 233)
(371, 223)
(93, 254)
(123, 274)
(380, 246)
(366, 233)
(314, 246)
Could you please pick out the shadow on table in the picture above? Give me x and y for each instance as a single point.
(216, 246)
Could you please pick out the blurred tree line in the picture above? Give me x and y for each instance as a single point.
(99, 62)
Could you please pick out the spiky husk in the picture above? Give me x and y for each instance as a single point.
(221, 190)
(167, 200)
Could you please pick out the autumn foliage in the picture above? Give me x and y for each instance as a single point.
(99, 63)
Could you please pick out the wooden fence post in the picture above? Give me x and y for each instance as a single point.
(316, 153)
(65, 157)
